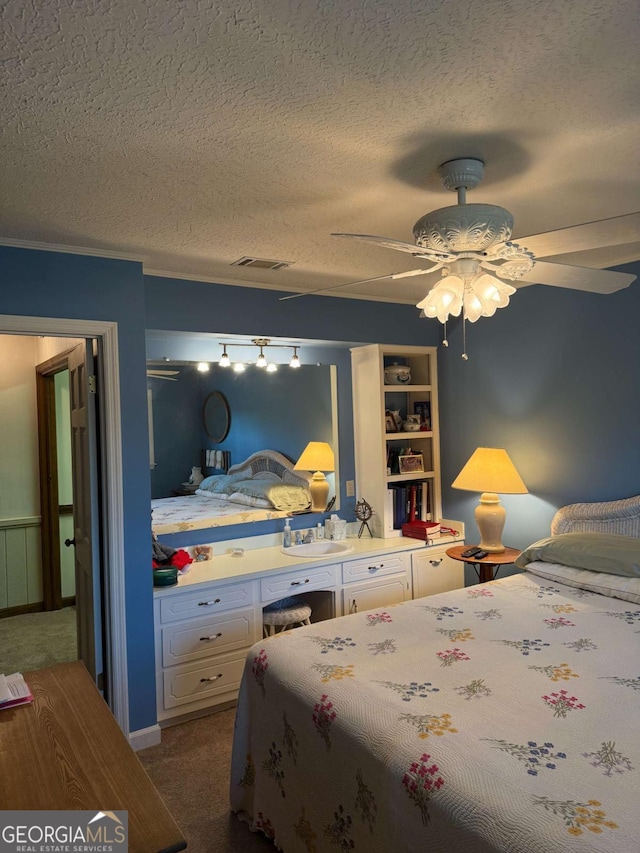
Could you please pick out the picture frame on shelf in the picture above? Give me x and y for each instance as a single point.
(389, 423)
(411, 464)
(423, 410)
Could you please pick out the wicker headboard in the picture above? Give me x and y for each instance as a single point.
(271, 465)
(622, 517)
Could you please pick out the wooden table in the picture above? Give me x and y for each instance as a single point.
(487, 568)
(65, 750)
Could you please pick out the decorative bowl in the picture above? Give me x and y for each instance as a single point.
(397, 374)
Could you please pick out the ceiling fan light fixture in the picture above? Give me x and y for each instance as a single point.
(479, 296)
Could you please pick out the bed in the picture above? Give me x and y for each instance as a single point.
(498, 717)
(263, 487)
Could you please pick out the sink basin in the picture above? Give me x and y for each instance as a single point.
(320, 548)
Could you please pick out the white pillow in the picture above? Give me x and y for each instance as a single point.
(615, 586)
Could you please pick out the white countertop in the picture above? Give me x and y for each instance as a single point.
(257, 561)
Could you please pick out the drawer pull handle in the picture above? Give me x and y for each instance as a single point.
(297, 583)
(375, 568)
(212, 637)
(436, 562)
(212, 677)
(208, 603)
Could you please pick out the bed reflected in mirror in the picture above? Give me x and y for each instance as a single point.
(229, 427)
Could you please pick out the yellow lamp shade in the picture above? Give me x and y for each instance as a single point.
(490, 471)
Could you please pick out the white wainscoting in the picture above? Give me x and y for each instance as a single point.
(20, 562)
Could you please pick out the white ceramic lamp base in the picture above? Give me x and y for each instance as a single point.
(490, 518)
(319, 490)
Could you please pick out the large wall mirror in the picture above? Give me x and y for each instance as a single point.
(223, 415)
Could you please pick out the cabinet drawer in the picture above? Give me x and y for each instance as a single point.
(210, 599)
(282, 585)
(183, 685)
(202, 638)
(374, 567)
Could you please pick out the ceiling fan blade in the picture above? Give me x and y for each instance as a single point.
(578, 238)
(389, 243)
(577, 278)
(335, 287)
(157, 372)
(164, 378)
(410, 273)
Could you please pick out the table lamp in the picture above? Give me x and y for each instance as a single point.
(318, 457)
(490, 470)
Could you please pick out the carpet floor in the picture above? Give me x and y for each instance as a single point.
(191, 770)
(37, 640)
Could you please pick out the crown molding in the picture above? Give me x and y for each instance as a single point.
(69, 250)
(235, 282)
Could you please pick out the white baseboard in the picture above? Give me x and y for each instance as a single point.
(142, 738)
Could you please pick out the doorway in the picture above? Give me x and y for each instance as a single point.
(109, 501)
(37, 579)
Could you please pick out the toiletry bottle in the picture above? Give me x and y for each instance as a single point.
(319, 531)
(286, 536)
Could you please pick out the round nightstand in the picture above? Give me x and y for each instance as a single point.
(488, 567)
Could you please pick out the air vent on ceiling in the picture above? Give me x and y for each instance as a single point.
(261, 263)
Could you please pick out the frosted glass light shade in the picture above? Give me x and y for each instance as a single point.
(317, 456)
(490, 470)
(478, 295)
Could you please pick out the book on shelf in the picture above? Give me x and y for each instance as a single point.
(408, 502)
(14, 690)
(426, 530)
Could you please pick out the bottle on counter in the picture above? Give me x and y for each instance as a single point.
(286, 535)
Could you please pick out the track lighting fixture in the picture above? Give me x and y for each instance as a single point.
(262, 361)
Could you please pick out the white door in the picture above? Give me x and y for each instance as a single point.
(84, 465)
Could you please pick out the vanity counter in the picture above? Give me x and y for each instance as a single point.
(254, 563)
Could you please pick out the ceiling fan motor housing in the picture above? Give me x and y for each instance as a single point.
(463, 228)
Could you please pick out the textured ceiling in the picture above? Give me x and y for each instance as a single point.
(193, 132)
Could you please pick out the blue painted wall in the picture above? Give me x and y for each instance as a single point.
(177, 440)
(553, 378)
(51, 284)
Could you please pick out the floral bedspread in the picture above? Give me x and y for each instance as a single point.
(196, 512)
(499, 717)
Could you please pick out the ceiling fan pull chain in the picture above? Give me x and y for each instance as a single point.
(445, 342)
(465, 357)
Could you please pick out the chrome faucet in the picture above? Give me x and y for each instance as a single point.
(308, 537)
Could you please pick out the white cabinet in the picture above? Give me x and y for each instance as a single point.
(383, 581)
(202, 637)
(366, 596)
(203, 632)
(432, 572)
(396, 487)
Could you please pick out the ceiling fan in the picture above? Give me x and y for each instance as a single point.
(168, 375)
(471, 246)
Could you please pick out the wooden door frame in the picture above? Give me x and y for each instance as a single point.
(49, 503)
(112, 501)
